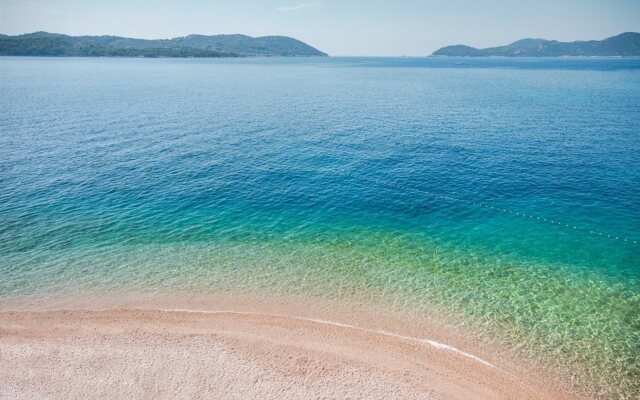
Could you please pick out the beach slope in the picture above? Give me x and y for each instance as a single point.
(240, 354)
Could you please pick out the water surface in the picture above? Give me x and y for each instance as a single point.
(504, 192)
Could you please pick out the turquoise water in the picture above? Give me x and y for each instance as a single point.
(502, 192)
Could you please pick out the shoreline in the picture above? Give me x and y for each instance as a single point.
(338, 349)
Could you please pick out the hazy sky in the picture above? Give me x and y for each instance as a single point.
(339, 27)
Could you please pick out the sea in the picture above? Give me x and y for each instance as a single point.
(504, 193)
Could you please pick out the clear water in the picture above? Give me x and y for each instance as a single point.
(503, 192)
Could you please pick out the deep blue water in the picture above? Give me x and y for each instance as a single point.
(421, 178)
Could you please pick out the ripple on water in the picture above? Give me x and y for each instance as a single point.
(339, 178)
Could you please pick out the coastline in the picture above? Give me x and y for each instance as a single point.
(531, 269)
(250, 346)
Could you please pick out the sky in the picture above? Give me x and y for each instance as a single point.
(338, 27)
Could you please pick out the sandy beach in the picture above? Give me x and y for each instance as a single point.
(247, 348)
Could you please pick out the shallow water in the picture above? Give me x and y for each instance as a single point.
(504, 192)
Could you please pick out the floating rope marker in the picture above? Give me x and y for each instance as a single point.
(434, 195)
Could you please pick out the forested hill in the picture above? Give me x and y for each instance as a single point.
(53, 44)
(623, 45)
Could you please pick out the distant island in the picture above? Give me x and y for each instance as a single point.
(623, 45)
(54, 44)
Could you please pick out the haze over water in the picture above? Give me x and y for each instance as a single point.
(503, 192)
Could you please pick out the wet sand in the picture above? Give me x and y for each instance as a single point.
(242, 347)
